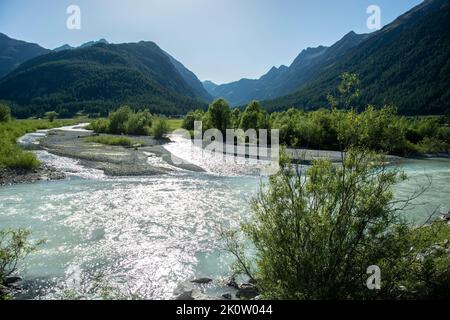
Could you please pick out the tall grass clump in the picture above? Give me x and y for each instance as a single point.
(113, 141)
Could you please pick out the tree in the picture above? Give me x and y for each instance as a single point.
(254, 117)
(316, 231)
(5, 113)
(160, 128)
(235, 118)
(138, 123)
(348, 91)
(14, 246)
(51, 115)
(191, 117)
(118, 120)
(218, 115)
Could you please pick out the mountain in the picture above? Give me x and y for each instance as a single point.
(209, 85)
(14, 52)
(63, 47)
(191, 79)
(98, 78)
(92, 43)
(85, 45)
(283, 80)
(406, 63)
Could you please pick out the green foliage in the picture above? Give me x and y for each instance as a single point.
(118, 120)
(113, 141)
(235, 118)
(97, 79)
(191, 117)
(254, 117)
(14, 246)
(99, 125)
(375, 129)
(139, 123)
(51, 115)
(316, 230)
(406, 66)
(124, 121)
(5, 113)
(218, 116)
(160, 128)
(11, 156)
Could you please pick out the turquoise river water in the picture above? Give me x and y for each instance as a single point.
(145, 235)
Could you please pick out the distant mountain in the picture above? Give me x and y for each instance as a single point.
(283, 80)
(407, 63)
(191, 79)
(63, 47)
(209, 85)
(92, 43)
(100, 77)
(85, 45)
(14, 52)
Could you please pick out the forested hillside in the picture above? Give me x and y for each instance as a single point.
(406, 64)
(97, 79)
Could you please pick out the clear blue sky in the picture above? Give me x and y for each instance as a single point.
(219, 40)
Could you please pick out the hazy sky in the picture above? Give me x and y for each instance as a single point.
(219, 40)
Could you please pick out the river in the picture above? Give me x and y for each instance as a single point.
(144, 235)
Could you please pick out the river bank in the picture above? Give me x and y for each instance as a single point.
(17, 176)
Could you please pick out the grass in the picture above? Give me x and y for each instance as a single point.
(113, 141)
(11, 155)
(174, 124)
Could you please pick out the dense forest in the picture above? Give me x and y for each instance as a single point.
(97, 79)
(339, 126)
(407, 64)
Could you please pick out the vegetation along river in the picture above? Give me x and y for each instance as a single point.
(144, 235)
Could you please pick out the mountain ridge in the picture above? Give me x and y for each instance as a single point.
(285, 79)
(406, 64)
(99, 78)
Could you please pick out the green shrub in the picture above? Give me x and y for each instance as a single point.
(22, 160)
(139, 123)
(430, 145)
(99, 126)
(5, 113)
(118, 120)
(315, 232)
(254, 117)
(11, 156)
(124, 121)
(51, 115)
(14, 246)
(160, 128)
(191, 117)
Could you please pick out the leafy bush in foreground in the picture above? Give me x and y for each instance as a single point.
(316, 231)
(14, 246)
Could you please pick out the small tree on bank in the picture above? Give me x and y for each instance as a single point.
(51, 115)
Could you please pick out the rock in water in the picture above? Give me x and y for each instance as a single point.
(227, 296)
(247, 291)
(202, 281)
(12, 280)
